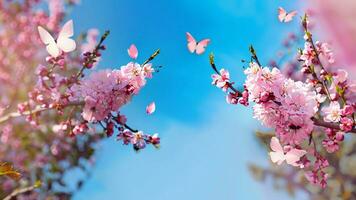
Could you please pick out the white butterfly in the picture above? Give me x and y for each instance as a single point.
(63, 43)
(278, 155)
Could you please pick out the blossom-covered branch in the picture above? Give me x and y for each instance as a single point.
(296, 109)
(64, 104)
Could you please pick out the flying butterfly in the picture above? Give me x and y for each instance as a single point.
(278, 156)
(284, 16)
(197, 47)
(64, 43)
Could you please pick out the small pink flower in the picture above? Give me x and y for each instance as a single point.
(148, 70)
(324, 50)
(330, 145)
(121, 119)
(346, 124)
(222, 80)
(232, 98)
(347, 110)
(154, 139)
(110, 129)
(308, 54)
(311, 176)
(80, 128)
(339, 136)
(332, 113)
(340, 77)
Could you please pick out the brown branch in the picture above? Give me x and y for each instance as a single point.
(97, 48)
(310, 38)
(151, 57)
(254, 55)
(212, 64)
(336, 126)
(131, 129)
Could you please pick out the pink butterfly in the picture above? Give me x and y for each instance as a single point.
(198, 47)
(63, 43)
(278, 155)
(151, 108)
(132, 51)
(283, 16)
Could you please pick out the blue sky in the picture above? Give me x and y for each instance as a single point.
(206, 143)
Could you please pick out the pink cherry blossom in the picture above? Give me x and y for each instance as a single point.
(263, 81)
(221, 80)
(346, 124)
(324, 50)
(308, 54)
(332, 113)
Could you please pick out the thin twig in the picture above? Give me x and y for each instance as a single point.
(19, 191)
(97, 47)
(310, 38)
(131, 129)
(254, 55)
(151, 57)
(212, 64)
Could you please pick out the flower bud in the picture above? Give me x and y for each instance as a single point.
(339, 136)
(347, 110)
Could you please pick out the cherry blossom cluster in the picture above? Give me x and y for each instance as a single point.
(101, 94)
(104, 93)
(297, 110)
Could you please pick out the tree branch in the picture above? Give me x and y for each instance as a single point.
(19, 191)
(318, 122)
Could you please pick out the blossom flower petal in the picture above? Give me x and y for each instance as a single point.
(151, 108)
(132, 51)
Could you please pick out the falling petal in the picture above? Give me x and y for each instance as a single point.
(132, 51)
(151, 108)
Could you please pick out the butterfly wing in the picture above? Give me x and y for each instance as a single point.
(275, 145)
(289, 16)
(64, 42)
(201, 46)
(49, 41)
(281, 14)
(277, 156)
(294, 156)
(192, 43)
